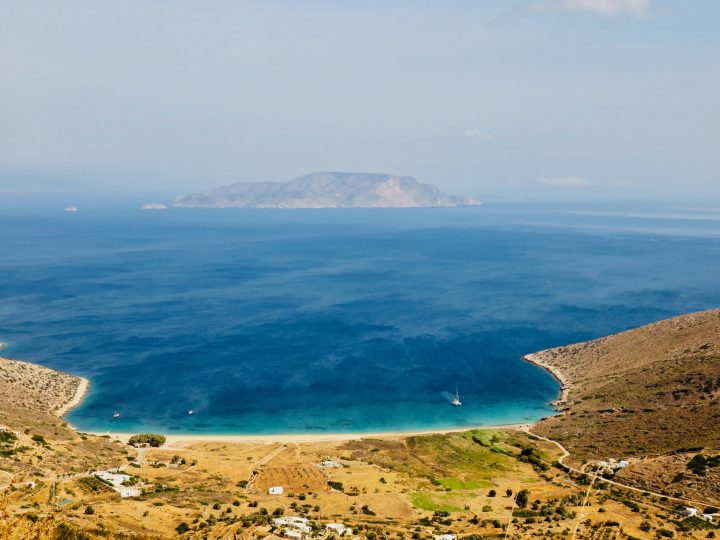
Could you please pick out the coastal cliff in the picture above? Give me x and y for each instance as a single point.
(327, 190)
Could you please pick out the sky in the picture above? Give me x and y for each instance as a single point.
(527, 100)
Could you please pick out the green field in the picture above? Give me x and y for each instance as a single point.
(436, 501)
(451, 482)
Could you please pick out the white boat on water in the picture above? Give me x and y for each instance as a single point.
(116, 414)
(456, 401)
(190, 412)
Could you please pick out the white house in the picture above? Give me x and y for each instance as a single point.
(338, 528)
(276, 490)
(293, 522)
(117, 480)
(613, 464)
(690, 511)
(708, 517)
(292, 533)
(445, 537)
(329, 464)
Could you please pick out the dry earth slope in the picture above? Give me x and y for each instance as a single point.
(646, 391)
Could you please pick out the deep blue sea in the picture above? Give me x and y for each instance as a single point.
(270, 321)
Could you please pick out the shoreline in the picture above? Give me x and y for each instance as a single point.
(171, 439)
(559, 376)
(80, 392)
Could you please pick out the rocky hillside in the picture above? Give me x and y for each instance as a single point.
(327, 190)
(647, 391)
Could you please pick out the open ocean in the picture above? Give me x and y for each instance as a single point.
(294, 321)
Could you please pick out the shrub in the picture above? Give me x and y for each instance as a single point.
(521, 499)
(89, 510)
(182, 528)
(150, 439)
(7, 436)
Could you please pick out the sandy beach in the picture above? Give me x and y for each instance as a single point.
(175, 439)
(76, 399)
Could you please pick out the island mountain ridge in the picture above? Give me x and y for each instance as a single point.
(327, 190)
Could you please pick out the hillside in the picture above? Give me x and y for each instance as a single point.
(648, 391)
(326, 190)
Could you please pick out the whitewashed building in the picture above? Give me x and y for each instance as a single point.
(339, 529)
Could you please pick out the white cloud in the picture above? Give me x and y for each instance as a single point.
(599, 7)
(566, 182)
(474, 132)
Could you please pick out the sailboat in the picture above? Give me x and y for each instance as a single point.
(456, 401)
(116, 414)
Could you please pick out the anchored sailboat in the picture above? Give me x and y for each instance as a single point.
(456, 401)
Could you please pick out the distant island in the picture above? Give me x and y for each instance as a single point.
(153, 206)
(327, 190)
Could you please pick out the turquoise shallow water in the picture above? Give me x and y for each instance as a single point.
(326, 321)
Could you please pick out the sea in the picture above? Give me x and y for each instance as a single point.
(334, 321)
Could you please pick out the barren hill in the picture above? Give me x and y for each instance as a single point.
(326, 190)
(650, 390)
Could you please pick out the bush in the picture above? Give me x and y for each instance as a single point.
(491, 493)
(337, 486)
(39, 439)
(182, 528)
(521, 499)
(7, 436)
(150, 439)
(679, 477)
(524, 513)
(89, 510)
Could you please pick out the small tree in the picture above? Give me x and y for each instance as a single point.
(521, 499)
(491, 493)
(508, 492)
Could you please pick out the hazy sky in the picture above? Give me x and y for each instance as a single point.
(536, 98)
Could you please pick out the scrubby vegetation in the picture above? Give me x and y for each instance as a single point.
(147, 439)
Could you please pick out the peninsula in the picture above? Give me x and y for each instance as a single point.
(327, 190)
